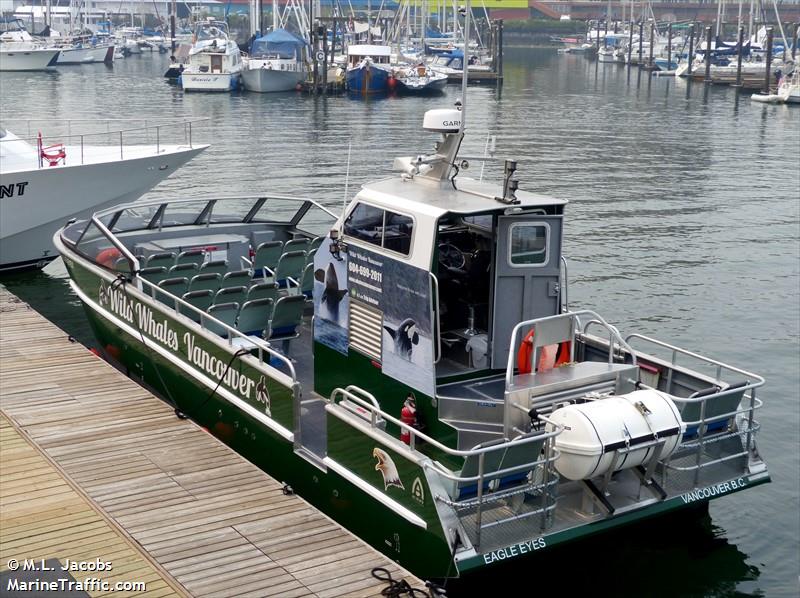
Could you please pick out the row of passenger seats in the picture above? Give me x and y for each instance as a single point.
(265, 299)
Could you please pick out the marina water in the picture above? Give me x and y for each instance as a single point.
(683, 223)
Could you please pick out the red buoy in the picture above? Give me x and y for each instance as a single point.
(392, 82)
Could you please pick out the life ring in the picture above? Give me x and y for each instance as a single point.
(550, 356)
(108, 257)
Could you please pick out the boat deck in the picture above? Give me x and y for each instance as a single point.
(118, 477)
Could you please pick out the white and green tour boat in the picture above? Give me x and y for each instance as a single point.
(412, 367)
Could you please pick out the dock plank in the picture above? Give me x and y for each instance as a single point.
(168, 502)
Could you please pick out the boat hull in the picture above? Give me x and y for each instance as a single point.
(329, 491)
(158, 355)
(606, 56)
(65, 192)
(265, 80)
(209, 81)
(86, 55)
(367, 80)
(433, 86)
(28, 60)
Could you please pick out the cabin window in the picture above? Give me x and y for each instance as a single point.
(528, 246)
(397, 230)
(380, 227)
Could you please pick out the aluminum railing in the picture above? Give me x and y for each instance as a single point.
(752, 381)
(482, 477)
(150, 133)
(245, 340)
(613, 334)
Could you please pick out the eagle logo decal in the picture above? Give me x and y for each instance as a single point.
(387, 468)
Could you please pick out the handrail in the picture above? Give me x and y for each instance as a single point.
(146, 128)
(573, 315)
(257, 344)
(564, 288)
(116, 243)
(198, 199)
(353, 389)
(435, 443)
(438, 322)
(703, 358)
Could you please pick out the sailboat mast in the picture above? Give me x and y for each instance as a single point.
(464, 67)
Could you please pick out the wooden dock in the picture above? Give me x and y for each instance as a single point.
(95, 467)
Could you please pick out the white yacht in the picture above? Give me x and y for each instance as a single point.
(275, 63)
(44, 184)
(214, 61)
(21, 52)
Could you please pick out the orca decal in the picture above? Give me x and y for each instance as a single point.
(332, 293)
(405, 337)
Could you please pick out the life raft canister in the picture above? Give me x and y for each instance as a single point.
(550, 356)
(108, 257)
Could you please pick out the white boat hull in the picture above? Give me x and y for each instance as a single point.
(27, 60)
(606, 56)
(209, 81)
(65, 192)
(86, 55)
(265, 80)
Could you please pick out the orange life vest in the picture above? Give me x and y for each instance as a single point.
(550, 356)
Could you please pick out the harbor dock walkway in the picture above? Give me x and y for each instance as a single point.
(94, 467)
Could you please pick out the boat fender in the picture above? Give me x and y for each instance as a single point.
(408, 415)
(108, 257)
(550, 356)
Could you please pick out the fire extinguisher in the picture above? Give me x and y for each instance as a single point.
(408, 415)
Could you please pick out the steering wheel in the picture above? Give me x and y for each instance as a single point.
(451, 257)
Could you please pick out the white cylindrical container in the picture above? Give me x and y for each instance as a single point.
(595, 430)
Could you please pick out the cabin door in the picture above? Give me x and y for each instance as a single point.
(216, 63)
(526, 276)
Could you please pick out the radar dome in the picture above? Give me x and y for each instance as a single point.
(442, 121)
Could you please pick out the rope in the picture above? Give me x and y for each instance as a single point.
(397, 588)
(122, 281)
(238, 353)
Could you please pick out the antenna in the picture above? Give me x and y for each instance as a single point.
(347, 175)
(464, 65)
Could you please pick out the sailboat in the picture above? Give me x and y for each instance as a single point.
(275, 62)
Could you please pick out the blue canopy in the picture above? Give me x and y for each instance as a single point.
(281, 43)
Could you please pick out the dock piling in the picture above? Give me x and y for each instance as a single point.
(324, 59)
(794, 40)
(630, 43)
(690, 58)
(739, 58)
(641, 41)
(708, 56)
(768, 73)
(650, 63)
(500, 26)
(333, 42)
(669, 47)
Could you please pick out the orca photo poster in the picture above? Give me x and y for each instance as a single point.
(403, 294)
(331, 303)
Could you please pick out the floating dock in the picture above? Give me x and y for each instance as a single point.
(94, 468)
